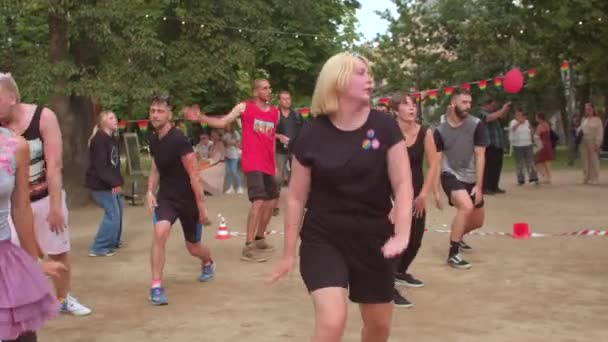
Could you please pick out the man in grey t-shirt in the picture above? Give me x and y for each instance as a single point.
(462, 140)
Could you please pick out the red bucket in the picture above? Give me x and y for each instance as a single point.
(521, 230)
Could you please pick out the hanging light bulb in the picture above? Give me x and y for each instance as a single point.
(202, 25)
(183, 23)
(147, 16)
(297, 36)
(164, 18)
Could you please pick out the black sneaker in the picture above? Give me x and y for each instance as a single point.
(407, 280)
(457, 262)
(464, 247)
(400, 301)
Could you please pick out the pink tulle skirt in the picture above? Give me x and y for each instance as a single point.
(26, 300)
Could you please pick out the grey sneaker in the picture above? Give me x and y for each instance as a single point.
(262, 245)
(250, 254)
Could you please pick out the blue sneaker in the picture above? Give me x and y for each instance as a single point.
(157, 296)
(207, 272)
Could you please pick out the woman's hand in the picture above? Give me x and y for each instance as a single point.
(284, 267)
(395, 246)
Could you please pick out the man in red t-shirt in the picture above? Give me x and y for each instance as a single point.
(258, 120)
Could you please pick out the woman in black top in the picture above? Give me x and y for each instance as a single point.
(349, 161)
(105, 180)
(419, 141)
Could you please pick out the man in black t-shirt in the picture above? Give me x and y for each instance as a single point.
(180, 195)
(287, 130)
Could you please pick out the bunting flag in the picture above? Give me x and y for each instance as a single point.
(432, 94)
(304, 113)
(466, 86)
(122, 125)
(531, 73)
(417, 96)
(448, 90)
(204, 125)
(143, 125)
(483, 84)
(564, 66)
(384, 100)
(498, 82)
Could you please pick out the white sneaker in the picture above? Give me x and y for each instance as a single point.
(230, 191)
(240, 191)
(71, 306)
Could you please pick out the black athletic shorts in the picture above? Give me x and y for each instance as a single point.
(261, 186)
(187, 215)
(359, 267)
(450, 183)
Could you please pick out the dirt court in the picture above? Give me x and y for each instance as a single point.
(540, 289)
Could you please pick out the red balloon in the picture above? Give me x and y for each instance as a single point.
(513, 81)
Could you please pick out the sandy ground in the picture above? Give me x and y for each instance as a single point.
(541, 289)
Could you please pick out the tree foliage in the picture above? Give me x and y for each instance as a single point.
(431, 44)
(130, 52)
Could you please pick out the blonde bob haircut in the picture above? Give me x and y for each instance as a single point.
(8, 84)
(335, 77)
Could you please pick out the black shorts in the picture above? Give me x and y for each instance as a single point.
(187, 215)
(450, 183)
(361, 268)
(261, 186)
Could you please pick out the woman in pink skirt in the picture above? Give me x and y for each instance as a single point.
(26, 301)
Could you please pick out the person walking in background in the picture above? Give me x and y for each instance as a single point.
(287, 129)
(591, 131)
(521, 138)
(545, 155)
(495, 150)
(103, 178)
(232, 140)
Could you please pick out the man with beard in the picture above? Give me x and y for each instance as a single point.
(180, 196)
(462, 140)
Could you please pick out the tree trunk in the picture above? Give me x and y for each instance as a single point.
(74, 113)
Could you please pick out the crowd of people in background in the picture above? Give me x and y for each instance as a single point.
(465, 154)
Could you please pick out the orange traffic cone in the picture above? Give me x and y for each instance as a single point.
(222, 230)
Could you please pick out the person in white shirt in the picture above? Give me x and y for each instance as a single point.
(520, 136)
(232, 139)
